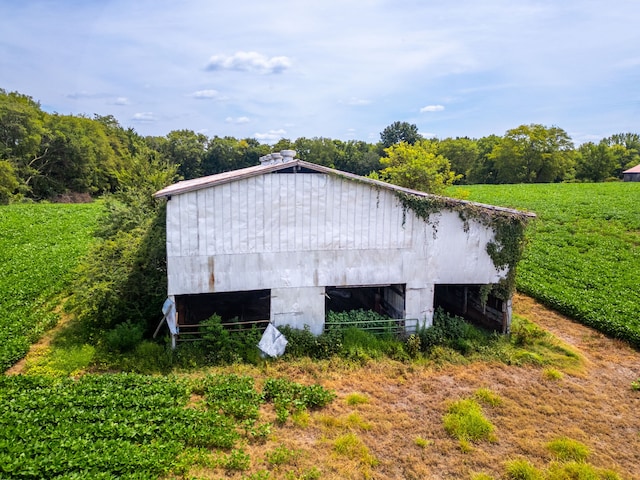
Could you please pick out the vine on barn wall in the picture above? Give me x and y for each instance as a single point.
(508, 228)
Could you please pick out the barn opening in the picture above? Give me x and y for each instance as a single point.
(237, 309)
(467, 301)
(387, 300)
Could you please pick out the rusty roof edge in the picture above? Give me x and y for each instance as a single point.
(186, 186)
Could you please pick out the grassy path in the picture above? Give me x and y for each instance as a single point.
(40, 244)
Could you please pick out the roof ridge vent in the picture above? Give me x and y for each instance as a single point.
(278, 157)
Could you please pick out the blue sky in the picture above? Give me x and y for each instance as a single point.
(333, 68)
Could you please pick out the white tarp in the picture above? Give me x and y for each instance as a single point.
(169, 312)
(272, 342)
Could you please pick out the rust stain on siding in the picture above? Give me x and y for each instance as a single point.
(212, 278)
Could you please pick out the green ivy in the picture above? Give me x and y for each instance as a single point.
(508, 227)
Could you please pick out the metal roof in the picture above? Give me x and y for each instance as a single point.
(635, 169)
(298, 165)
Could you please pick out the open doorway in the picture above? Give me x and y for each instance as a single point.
(386, 300)
(249, 306)
(467, 301)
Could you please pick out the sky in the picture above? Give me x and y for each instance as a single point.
(342, 69)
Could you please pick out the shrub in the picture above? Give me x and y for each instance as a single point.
(303, 343)
(125, 337)
(224, 344)
(450, 331)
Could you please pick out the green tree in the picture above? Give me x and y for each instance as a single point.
(186, 149)
(358, 157)
(595, 162)
(483, 170)
(123, 278)
(417, 166)
(76, 156)
(228, 153)
(625, 149)
(534, 154)
(462, 153)
(318, 150)
(399, 132)
(8, 182)
(21, 131)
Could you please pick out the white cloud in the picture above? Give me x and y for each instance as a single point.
(357, 102)
(249, 62)
(121, 101)
(84, 94)
(143, 117)
(205, 94)
(432, 108)
(271, 136)
(238, 120)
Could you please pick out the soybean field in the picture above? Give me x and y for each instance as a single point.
(40, 244)
(583, 255)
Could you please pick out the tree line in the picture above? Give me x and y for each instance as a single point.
(44, 156)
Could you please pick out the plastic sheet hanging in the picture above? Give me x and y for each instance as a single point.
(169, 312)
(273, 342)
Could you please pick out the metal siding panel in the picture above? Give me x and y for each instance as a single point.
(209, 219)
(173, 227)
(298, 206)
(201, 206)
(267, 216)
(260, 209)
(218, 220)
(226, 213)
(251, 214)
(307, 216)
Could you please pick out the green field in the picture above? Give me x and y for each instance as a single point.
(583, 255)
(39, 245)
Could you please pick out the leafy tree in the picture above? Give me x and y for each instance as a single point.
(8, 182)
(228, 153)
(533, 154)
(318, 150)
(595, 162)
(123, 278)
(399, 132)
(76, 156)
(358, 157)
(483, 170)
(21, 131)
(626, 151)
(462, 153)
(418, 167)
(186, 149)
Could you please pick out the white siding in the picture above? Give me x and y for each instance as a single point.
(307, 231)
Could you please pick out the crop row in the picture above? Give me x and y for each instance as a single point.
(125, 425)
(40, 244)
(582, 255)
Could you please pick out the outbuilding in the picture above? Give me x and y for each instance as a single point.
(287, 241)
(632, 175)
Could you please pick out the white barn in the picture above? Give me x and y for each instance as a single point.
(287, 240)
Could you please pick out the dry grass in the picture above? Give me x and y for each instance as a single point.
(377, 438)
(387, 419)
